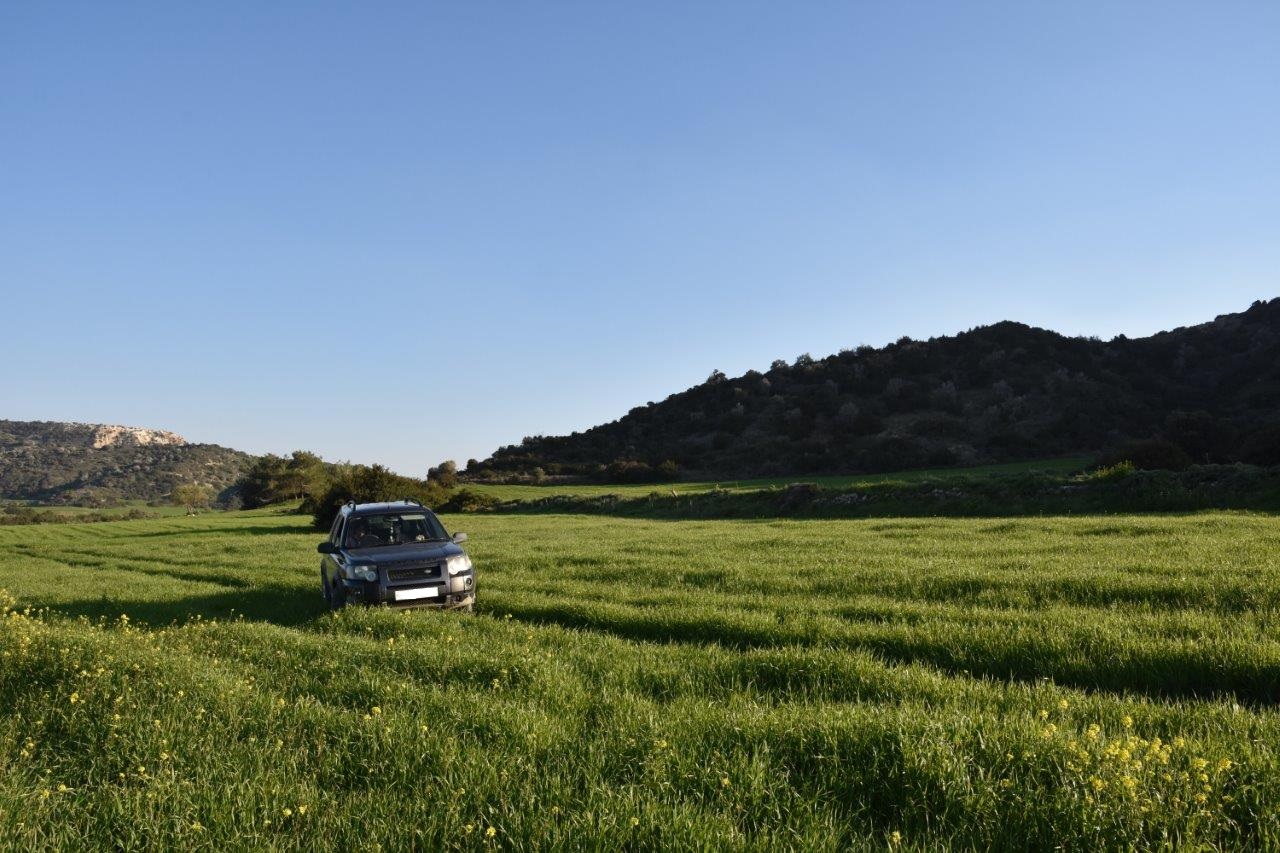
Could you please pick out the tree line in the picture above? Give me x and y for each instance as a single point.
(320, 488)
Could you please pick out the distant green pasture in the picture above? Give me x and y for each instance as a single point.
(533, 492)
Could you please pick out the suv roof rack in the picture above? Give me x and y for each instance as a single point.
(412, 501)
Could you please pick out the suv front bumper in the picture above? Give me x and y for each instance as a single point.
(447, 596)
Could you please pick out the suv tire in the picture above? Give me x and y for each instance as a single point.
(336, 595)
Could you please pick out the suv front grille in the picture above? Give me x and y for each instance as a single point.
(401, 574)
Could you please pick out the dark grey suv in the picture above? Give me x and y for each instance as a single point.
(395, 553)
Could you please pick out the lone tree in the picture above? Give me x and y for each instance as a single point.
(445, 474)
(192, 495)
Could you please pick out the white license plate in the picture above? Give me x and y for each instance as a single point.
(420, 592)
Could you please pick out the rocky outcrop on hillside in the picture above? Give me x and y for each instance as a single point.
(108, 435)
(97, 464)
(97, 436)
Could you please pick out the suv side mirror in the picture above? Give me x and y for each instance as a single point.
(459, 537)
(326, 547)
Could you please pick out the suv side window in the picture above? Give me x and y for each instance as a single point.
(335, 533)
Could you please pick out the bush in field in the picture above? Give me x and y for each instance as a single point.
(275, 479)
(370, 484)
(192, 496)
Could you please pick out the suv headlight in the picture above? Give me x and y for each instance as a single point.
(459, 563)
(364, 573)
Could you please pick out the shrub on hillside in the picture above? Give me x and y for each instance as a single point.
(634, 471)
(1262, 447)
(1203, 437)
(895, 453)
(1118, 471)
(466, 500)
(445, 474)
(1152, 454)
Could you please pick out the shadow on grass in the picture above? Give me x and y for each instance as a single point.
(1172, 672)
(286, 606)
(248, 529)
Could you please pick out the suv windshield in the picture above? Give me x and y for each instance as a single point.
(376, 531)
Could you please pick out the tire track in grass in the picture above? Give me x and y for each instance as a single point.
(140, 566)
(1079, 657)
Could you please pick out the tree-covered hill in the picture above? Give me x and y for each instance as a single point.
(94, 464)
(1006, 392)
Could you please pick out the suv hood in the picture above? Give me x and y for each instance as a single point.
(425, 551)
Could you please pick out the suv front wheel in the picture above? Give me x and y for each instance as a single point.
(335, 594)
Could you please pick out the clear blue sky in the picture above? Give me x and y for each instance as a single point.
(406, 232)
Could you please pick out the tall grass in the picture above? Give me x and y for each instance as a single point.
(1032, 683)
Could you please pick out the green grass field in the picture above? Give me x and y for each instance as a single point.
(122, 508)
(1077, 682)
(843, 481)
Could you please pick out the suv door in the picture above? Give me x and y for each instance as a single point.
(329, 574)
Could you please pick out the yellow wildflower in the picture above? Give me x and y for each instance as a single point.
(1127, 722)
(490, 832)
